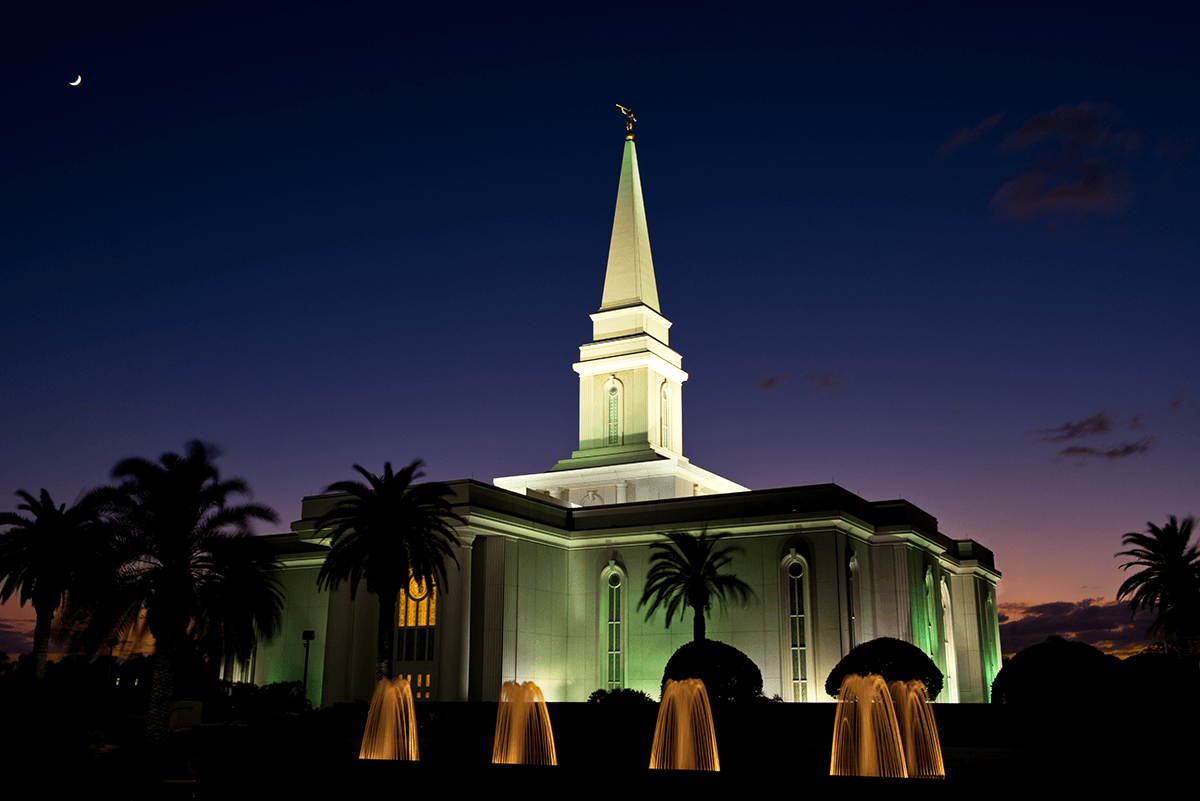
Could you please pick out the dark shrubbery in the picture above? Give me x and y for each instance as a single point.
(727, 673)
(894, 660)
(1061, 670)
(622, 698)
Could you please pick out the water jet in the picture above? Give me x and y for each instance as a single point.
(523, 733)
(391, 731)
(684, 738)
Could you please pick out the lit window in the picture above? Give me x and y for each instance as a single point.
(795, 580)
(613, 431)
(418, 614)
(613, 582)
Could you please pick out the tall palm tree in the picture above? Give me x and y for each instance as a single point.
(187, 566)
(1168, 582)
(686, 573)
(46, 557)
(385, 533)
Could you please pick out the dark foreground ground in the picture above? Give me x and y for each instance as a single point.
(76, 746)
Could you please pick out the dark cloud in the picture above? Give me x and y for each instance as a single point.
(1084, 188)
(775, 381)
(1108, 625)
(1078, 174)
(826, 382)
(965, 136)
(1176, 145)
(1120, 451)
(16, 636)
(1099, 423)
(1078, 127)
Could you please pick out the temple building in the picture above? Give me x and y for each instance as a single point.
(552, 565)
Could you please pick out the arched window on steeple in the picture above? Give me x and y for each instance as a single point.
(664, 396)
(614, 425)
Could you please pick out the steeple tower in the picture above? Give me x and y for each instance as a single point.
(630, 382)
(629, 279)
(629, 379)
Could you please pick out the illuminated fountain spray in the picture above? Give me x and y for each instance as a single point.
(918, 730)
(866, 737)
(523, 733)
(684, 737)
(885, 730)
(391, 731)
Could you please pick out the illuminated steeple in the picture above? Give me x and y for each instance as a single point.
(629, 279)
(630, 382)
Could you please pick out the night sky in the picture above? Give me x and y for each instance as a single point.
(943, 255)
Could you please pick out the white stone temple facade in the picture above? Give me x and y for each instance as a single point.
(552, 565)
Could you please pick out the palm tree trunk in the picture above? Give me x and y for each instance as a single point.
(386, 638)
(41, 643)
(698, 629)
(162, 694)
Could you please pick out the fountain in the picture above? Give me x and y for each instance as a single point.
(391, 731)
(885, 729)
(866, 737)
(918, 730)
(684, 737)
(523, 733)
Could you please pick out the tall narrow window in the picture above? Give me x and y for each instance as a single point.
(613, 638)
(414, 637)
(612, 412)
(796, 640)
(665, 414)
(951, 671)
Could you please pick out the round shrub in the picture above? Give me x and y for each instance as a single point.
(727, 673)
(1064, 671)
(894, 660)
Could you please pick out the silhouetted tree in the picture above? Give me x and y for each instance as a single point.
(894, 660)
(686, 573)
(188, 560)
(387, 533)
(1168, 582)
(45, 556)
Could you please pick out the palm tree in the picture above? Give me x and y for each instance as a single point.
(187, 565)
(386, 533)
(46, 556)
(1168, 582)
(686, 573)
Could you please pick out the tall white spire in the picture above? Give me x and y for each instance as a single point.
(630, 383)
(629, 280)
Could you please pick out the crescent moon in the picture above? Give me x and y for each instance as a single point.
(78, 80)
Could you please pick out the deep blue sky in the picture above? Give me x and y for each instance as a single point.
(946, 255)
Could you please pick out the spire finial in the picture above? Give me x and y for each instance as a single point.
(629, 120)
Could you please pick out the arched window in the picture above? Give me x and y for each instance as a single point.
(665, 414)
(796, 639)
(613, 424)
(414, 636)
(612, 589)
(951, 682)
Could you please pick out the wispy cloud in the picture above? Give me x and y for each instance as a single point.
(1120, 451)
(1078, 174)
(1099, 423)
(826, 382)
(965, 136)
(773, 382)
